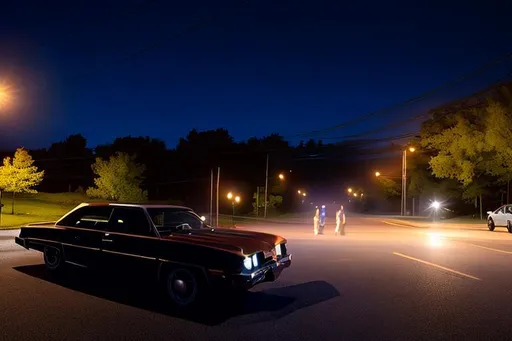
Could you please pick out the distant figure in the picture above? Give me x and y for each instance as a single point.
(316, 219)
(340, 222)
(323, 217)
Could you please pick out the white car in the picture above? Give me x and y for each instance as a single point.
(502, 217)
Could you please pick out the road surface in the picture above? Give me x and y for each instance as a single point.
(379, 282)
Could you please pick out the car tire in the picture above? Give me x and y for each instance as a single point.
(53, 259)
(184, 287)
(490, 224)
(509, 226)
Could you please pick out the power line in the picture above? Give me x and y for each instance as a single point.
(425, 114)
(409, 101)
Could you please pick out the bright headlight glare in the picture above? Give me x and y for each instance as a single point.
(248, 263)
(278, 249)
(255, 260)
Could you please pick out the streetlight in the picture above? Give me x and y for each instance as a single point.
(436, 205)
(377, 174)
(349, 190)
(299, 192)
(281, 176)
(404, 179)
(234, 199)
(304, 194)
(355, 194)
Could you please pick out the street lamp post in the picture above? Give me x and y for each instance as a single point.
(404, 179)
(235, 199)
(281, 177)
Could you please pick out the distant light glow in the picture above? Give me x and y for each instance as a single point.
(436, 205)
(6, 95)
(435, 239)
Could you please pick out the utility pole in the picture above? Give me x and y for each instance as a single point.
(257, 201)
(218, 185)
(211, 197)
(405, 182)
(266, 190)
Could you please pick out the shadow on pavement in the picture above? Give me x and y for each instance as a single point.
(255, 307)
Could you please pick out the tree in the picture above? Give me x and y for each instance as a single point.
(19, 175)
(118, 179)
(389, 187)
(274, 201)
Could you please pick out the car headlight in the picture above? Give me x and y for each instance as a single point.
(255, 260)
(248, 263)
(278, 250)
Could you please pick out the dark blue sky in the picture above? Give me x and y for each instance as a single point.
(256, 68)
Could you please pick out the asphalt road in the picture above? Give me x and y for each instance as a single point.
(379, 282)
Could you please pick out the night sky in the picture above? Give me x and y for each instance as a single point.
(115, 68)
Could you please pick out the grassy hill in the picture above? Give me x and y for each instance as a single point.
(41, 207)
(31, 208)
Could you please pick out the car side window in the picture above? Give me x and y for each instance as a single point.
(130, 221)
(89, 217)
(187, 218)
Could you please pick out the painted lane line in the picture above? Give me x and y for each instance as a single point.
(395, 224)
(436, 266)
(488, 248)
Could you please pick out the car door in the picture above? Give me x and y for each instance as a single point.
(130, 242)
(499, 216)
(83, 231)
(507, 216)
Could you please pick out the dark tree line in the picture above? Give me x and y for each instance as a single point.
(182, 174)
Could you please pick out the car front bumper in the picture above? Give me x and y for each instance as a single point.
(269, 272)
(21, 242)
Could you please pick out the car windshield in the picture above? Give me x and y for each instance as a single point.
(168, 220)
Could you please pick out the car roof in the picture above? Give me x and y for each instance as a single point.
(135, 205)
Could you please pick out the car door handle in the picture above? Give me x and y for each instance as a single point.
(107, 240)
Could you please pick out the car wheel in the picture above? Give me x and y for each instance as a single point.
(509, 227)
(184, 287)
(490, 224)
(53, 258)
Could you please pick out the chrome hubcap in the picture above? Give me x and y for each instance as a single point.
(182, 285)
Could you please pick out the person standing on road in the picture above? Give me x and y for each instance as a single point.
(323, 217)
(340, 222)
(316, 219)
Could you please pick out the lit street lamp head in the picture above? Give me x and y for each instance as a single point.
(237, 199)
(304, 194)
(355, 194)
(299, 191)
(436, 205)
(349, 190)
(281, 176)
(377, 174)
(412, 149)
(230, 195)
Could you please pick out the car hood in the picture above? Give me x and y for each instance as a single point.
(246, 242)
